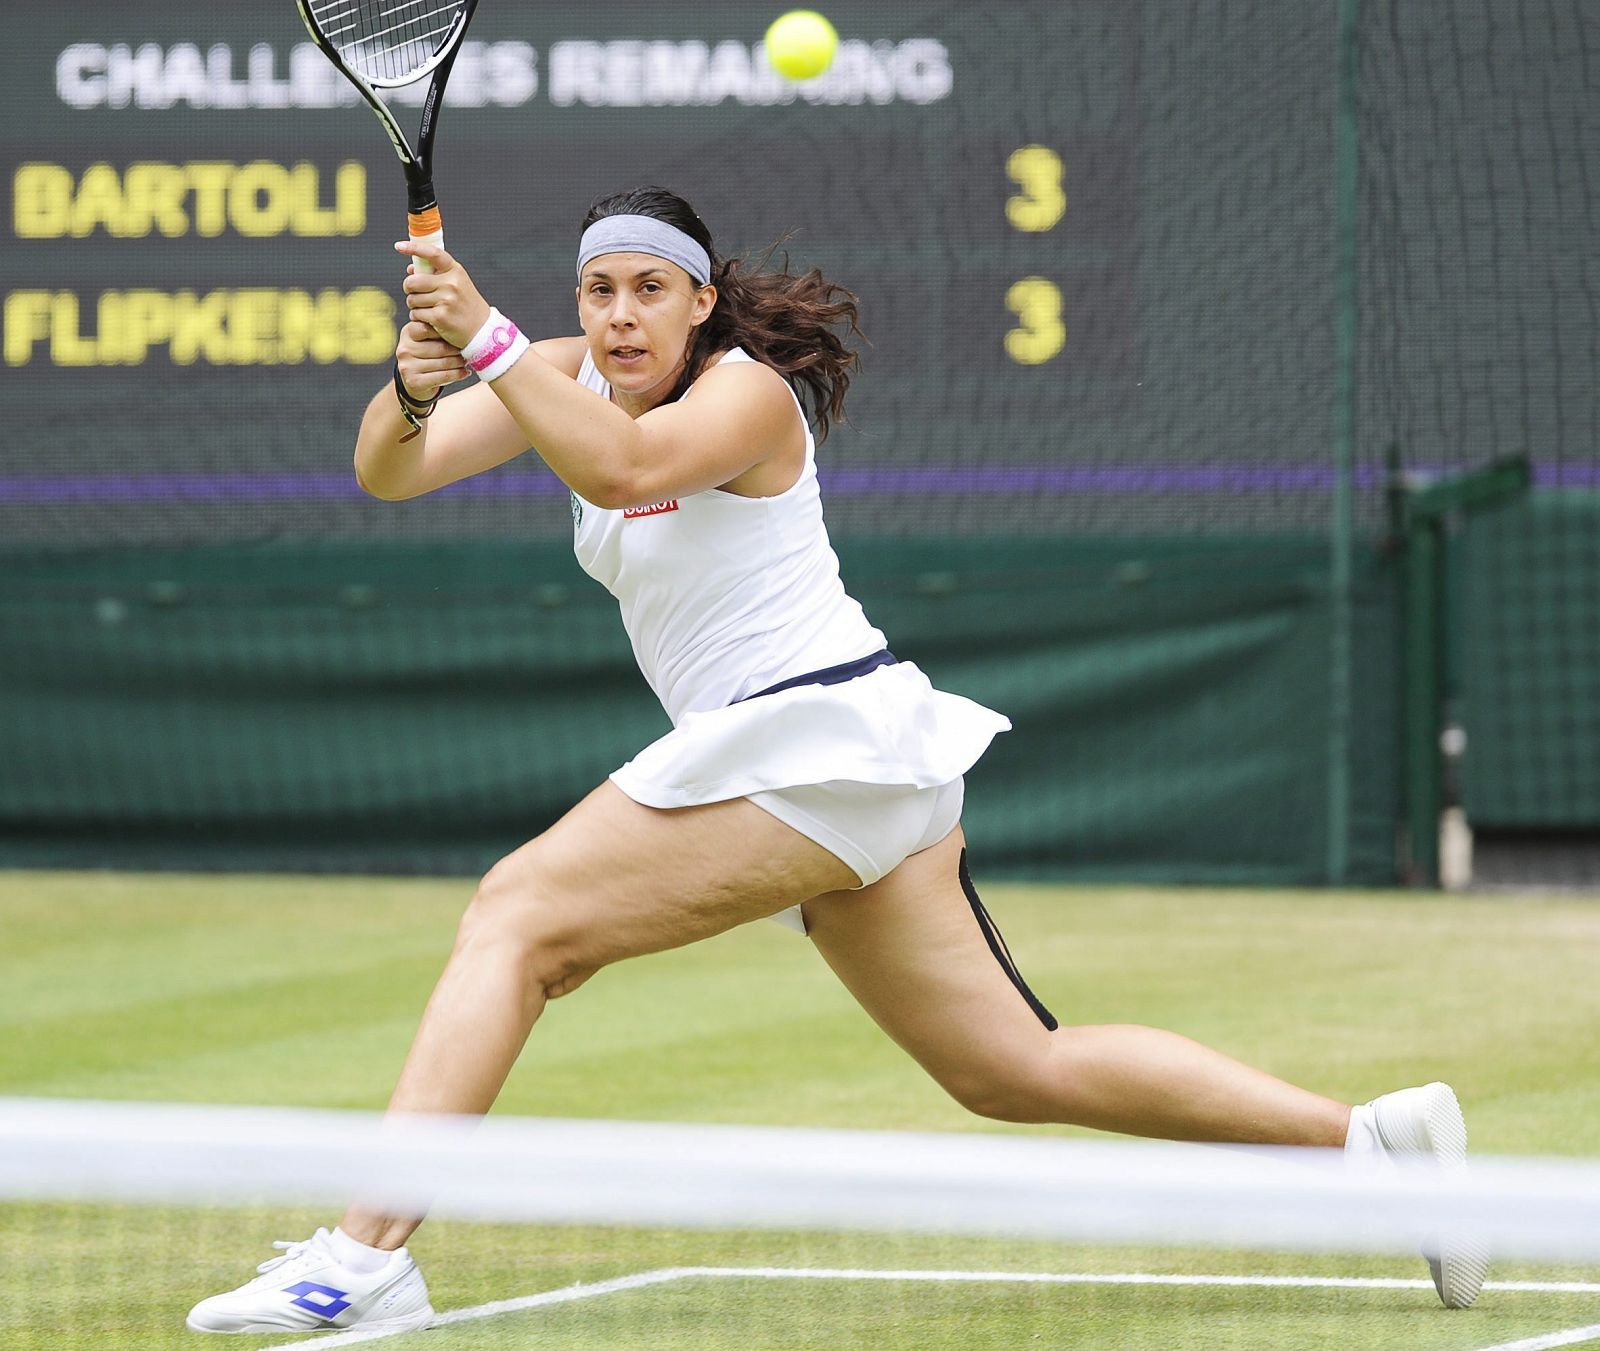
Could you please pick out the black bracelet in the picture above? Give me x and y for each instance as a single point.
(414, 410)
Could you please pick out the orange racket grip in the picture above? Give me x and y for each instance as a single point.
(425, 227)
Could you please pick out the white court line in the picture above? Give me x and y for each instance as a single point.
(565, 1295)
(1126, 1278)
(663, 1275)
(1571, 1337)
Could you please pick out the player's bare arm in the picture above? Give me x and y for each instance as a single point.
(738, 421)
(468, 433)
(737, 431)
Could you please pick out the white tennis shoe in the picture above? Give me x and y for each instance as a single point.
(1426, 1122)
(307, 1290)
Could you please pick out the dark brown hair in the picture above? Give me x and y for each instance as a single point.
(796, 323)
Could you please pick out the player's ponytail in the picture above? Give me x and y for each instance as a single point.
(796, 323)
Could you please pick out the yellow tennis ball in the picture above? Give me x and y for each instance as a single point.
(801, 44)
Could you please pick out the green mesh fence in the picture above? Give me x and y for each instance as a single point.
(1479, 251)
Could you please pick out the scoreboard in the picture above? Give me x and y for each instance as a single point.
(201, 293)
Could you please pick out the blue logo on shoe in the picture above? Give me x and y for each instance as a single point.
(318, 1299)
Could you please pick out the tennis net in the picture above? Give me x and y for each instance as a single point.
(115, 1218)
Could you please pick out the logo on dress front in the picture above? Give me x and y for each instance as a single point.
(654, 509)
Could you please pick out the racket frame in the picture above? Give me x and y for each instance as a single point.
(418, 163)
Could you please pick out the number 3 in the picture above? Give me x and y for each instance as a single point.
(1037, 171)
(1037, 303)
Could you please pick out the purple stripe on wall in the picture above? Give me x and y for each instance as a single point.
(984, 481)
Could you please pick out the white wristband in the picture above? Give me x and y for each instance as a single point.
(496, 347)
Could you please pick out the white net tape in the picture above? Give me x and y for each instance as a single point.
(712, 1176)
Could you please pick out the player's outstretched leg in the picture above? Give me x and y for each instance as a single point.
(1426, 1123)
(917, 951)
(319, 1285)
(610, 880)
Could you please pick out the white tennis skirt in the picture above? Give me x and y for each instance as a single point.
(889, 728)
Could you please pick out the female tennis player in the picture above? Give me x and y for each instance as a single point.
(808, 775)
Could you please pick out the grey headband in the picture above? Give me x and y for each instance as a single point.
(644, 234)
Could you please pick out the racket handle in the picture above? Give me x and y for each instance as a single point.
(425, 227)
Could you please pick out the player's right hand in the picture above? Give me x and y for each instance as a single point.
(427, 361)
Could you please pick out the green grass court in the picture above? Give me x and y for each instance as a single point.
(304, 992)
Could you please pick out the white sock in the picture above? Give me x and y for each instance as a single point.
(1362, 1141)
(356, 1256)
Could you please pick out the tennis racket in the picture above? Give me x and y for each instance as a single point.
(382, 44)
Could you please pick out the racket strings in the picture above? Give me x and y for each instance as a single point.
(386, 40)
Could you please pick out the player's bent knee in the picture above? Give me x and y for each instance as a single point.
(1002, 1093)
(498, 906)
(566, 984)
(514, 907)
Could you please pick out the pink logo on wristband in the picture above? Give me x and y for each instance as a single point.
(500, 340)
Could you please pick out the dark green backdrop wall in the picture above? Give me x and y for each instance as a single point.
(425, 709)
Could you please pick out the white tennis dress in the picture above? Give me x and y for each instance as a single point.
(724, 596)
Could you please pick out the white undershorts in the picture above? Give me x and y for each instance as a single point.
(870, 827)
(870, 768)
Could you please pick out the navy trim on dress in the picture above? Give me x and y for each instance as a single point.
(830, 675)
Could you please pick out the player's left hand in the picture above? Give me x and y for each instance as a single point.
(444, 299)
